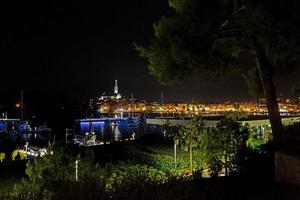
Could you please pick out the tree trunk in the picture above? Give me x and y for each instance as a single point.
(175, 154)
(266, 75)
(226, 160)
(257, 104)
(191, 155)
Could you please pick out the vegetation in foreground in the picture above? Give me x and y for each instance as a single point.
(146, 169)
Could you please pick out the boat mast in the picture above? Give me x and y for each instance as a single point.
(22, 106)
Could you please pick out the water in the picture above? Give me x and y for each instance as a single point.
(19, 132)
(114, 129)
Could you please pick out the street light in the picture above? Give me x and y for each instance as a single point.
(26, 148)
(76, 170)
(176, 141)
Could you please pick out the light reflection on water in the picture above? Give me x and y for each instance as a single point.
(115, 129)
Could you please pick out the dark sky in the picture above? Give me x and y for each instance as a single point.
(75, 50)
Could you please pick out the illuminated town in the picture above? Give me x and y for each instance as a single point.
(117, 105)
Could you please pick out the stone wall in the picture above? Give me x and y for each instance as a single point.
(287, 168)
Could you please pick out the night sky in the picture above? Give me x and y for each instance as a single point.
(57, 50)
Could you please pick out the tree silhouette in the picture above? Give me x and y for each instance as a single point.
(209, 38)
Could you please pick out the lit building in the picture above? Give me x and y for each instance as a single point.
(118, 106)
(115, 95)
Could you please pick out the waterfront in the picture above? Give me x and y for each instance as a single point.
(107, 130)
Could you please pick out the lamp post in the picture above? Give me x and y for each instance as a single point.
(26, 148)
(76, 170)
(176, 141)
(67, 130)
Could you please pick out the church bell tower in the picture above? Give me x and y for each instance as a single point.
(116, 90)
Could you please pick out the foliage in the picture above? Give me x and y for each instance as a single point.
(237, 114)
(182, 42)
(222, 146)
(295, 91)
(124, 172)
(255, 140)
(22, 154)
(215, 148)
(58, 166)
(23, 192)
(143, 170)
(210, 37)
(170, 131)
(161, 161)
(14, 154)
(253, 83)
(189, 137)
(211, 150)
(54, 174)
(138, 188)
(234, 139)
(2, 156)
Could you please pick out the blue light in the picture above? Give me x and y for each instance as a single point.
(88, 123)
